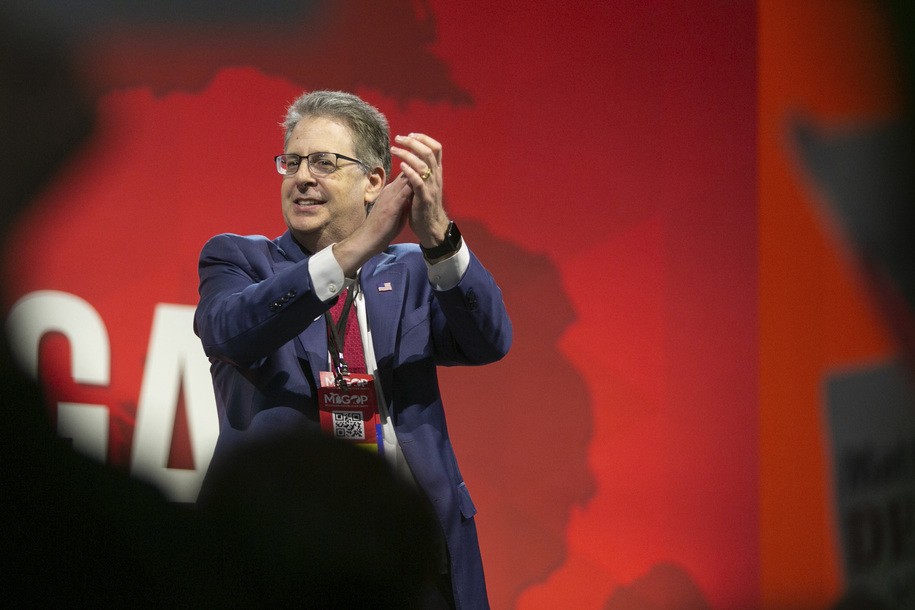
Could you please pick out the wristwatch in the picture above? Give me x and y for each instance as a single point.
(451, 244)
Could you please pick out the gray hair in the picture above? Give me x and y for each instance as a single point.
(367, 124)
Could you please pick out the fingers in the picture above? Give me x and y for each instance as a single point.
(423, 180)
(421, 158)
(398, 192)
(423, 146)
(388, 214)
(432, 144)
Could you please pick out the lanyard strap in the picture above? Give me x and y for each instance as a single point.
(336, 337)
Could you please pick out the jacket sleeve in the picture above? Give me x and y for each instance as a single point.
(470, 324)
(252, 301)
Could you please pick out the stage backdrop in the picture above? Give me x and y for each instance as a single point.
(655, 436)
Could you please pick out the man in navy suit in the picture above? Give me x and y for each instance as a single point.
(261, 315)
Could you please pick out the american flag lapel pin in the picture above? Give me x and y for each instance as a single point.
(386, 287)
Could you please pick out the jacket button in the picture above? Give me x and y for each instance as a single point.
(471, 300)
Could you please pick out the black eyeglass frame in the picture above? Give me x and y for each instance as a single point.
(307, 158)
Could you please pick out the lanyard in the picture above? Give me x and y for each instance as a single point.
(336, 336)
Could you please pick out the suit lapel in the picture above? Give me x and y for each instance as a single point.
(315, 334)
(383, 283)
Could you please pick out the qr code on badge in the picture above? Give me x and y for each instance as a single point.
(348, 425)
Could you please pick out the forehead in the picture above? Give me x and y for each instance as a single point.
(320, 134)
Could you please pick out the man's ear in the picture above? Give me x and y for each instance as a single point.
(376, 180)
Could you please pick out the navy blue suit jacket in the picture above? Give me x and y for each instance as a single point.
(262, 327)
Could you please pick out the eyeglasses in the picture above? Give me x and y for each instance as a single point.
(319, 163)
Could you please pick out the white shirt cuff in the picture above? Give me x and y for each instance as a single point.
(446, 274)
(326, 274)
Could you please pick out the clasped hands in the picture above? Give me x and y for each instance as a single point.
(414, 197)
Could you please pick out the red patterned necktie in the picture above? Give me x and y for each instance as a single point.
(352, 339)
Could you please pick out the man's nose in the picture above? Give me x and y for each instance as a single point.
(303, 177)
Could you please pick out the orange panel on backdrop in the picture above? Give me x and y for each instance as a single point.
(832, 62)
